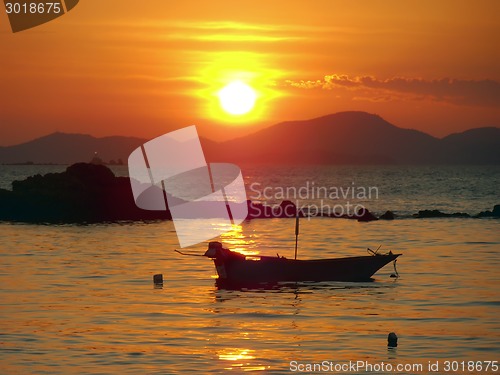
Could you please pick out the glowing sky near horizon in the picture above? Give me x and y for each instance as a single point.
(143, 69)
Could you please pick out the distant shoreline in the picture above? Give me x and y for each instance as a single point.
(91, 193)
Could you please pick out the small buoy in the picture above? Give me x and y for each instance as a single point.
(392, 340)
(158, 279)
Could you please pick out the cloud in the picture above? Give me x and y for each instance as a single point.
(484, 93)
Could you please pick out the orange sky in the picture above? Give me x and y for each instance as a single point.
(145, 68)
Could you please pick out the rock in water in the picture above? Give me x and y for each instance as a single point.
(364, 215)
(389, 215)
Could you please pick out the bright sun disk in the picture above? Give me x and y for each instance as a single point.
(237, 98)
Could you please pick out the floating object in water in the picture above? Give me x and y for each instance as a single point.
(158, 279)
(392, 340)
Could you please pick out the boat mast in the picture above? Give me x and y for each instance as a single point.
(296, 232)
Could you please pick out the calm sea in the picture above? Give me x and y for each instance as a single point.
(80, 299)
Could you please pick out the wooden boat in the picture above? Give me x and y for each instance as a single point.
(233, 267)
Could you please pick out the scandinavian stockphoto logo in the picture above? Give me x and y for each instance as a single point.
(25, 14)
(170, 172)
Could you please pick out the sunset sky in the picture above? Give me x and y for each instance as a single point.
(120, 67)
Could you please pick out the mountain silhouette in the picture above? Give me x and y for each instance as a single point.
(358, 138)
(475, 146)
(62, 148)
(341, 138)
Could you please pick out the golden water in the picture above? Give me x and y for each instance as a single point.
(80, 299)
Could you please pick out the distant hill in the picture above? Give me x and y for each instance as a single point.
(475, 146)
(62, 148)
(341, 138)
(358, 138)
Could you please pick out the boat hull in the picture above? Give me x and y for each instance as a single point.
(271, 270)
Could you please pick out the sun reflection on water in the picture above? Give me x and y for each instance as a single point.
(235, 354)
(236, 240)
(242, 359)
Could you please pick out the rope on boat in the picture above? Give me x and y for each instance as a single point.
(375, 253)
(395, 274)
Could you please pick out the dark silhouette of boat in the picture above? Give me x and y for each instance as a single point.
(236, 268)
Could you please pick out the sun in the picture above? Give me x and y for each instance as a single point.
(237, 98)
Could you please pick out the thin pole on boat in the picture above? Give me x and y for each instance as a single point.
(191, 255)
(296, 233)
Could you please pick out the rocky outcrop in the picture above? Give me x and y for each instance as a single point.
(494, 213)
(389, 215)
(87, 193)
(83, 193)
(363, 215)
(437, 213)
